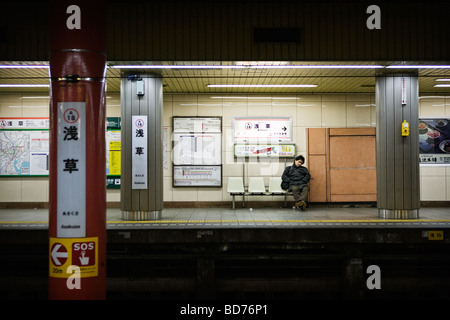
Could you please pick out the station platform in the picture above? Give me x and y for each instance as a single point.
(313, 217)
(241, 254)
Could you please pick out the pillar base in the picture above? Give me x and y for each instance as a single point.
(398, 213)
(141, 215)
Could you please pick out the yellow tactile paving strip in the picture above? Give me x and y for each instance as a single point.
(248, 221)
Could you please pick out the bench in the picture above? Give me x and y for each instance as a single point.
(256, 187)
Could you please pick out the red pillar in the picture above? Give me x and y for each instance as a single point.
(77, 221)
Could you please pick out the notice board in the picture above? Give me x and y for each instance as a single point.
(197, 151)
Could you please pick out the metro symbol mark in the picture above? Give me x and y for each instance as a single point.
(59, 254)
(71, 115)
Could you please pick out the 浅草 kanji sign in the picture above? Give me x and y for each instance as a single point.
(71, 203)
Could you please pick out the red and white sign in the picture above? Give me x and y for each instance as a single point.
(71, 115)
(403, 90)
(262, 129)
(83, 253)
(58, 254)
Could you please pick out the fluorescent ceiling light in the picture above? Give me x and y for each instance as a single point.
(418, 67)
(442, 80)
(40, 97)
(262, 63)
(175, 67)
(446, 85)
(318, 67)
(24, 67)
(24, 85)
(246, 66)
(261, 85)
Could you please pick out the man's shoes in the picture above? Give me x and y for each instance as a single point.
(301, 204)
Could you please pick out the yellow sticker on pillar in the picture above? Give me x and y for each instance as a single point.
(68, 252)
(405, 128)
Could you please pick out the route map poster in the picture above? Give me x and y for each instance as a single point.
(24, 146)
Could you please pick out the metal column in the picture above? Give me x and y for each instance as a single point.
(142, 152)
(398, 185)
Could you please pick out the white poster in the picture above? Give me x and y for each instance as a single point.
(71, 176)
(139, 152)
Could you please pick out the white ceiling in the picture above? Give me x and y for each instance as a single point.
(185, 81)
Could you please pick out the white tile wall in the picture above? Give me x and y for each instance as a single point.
(311, 110)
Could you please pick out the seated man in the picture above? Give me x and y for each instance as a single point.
(295, 178)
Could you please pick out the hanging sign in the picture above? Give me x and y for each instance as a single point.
(71, 177)
(139, 152)
(264, 151)
(403, 90)
(24, 123)
(269, 129)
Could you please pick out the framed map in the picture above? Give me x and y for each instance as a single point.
(24, 147)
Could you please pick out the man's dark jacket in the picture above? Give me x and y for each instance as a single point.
(295, 176)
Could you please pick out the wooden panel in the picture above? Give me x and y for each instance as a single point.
(342, 163)
(353, 131)
(352, 152)
(316, 140)
(353, 181)
(353, 197)
(318, 184)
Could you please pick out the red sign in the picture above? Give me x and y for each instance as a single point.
(83, 253)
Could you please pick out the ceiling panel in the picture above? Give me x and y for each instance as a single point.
(186, 81)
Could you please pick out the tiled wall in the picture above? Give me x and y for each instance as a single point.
(327, 110)
(305, 110)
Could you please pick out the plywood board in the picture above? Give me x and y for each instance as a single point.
(318, 184)
(352, 152)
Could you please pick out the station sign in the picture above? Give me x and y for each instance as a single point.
(71, 174)
(262, 129)
(139, 152)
